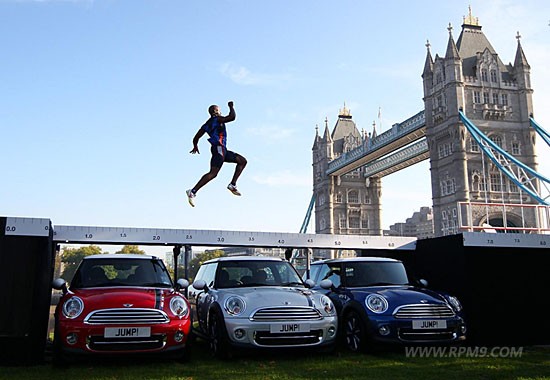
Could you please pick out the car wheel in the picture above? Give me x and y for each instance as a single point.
(355, 332)
(59, 357)
(218, 336)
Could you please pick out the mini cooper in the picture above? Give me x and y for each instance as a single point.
(377, 302)
(259, 302)
(120, 304)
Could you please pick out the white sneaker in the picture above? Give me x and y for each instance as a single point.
(190, 196)
(233, 189)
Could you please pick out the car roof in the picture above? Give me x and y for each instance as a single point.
(244, 258)
(119, 256)
(356, 260)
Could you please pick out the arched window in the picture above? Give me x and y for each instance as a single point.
(353, 196)
(496, 139)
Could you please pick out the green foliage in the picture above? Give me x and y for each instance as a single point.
(195, 263)
(131, 249)
(71, 258)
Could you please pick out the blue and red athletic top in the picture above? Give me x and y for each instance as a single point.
(216, 131)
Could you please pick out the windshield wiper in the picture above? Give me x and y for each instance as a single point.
(156, 284)
(290, 283)
(380, 284)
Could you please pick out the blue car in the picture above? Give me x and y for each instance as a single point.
(377, 302)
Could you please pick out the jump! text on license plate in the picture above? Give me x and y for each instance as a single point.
(127, 332)
(281, 328)
(428, 324)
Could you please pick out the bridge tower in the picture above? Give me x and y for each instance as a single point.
(347, 204)
(498, 100)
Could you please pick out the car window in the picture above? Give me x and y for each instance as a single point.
(208, 274)
(121, 272)
(331, 272)
(257, 273)
(375, 273)
(313, 273)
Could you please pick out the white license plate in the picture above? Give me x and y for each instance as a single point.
(127, 332)
(429, 324)
(285, 328)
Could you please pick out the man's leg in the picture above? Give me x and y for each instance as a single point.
(241, 164)
(206, 178)
(216, 163)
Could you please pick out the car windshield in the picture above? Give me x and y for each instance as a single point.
(256, 273)
(375, 273)
(121, 272)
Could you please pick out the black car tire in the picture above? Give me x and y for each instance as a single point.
(59, 358)
(355, 336)
(218, 336)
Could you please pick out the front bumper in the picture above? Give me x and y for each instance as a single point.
(78, 337)
(246, 333)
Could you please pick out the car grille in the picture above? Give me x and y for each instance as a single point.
(266, 338)
(126, 316)
(424, 311)
(273, 314)
(98, 343)
(409, 335)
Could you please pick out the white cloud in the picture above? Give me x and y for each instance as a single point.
(243, 76)
(284, 178)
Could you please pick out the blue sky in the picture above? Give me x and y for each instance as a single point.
(100, 100)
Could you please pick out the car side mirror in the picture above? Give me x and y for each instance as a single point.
(182, 284)
(423, 283)
(60, 284)
(200, 285)
(327, 284)
(309, 283)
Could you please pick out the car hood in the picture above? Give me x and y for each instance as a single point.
(404, 294)
(107, 298)
(267, 296)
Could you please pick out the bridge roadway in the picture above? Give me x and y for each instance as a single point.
(376, 152)
(16, 226)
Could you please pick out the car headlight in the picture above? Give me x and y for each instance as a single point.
(178, 306)
(455, 303)
(327, 305)
(234, 305)
(73, 307)
(376, 303)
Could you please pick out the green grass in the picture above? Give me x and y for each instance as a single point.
(533, 364)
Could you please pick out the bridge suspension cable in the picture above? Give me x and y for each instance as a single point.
(541, 132)
(525, 178)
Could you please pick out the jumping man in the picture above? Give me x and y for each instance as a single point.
(215, 128)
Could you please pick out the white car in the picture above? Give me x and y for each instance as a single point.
(259, 302)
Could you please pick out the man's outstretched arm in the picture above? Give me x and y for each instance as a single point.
(196, 139)
(230, 117)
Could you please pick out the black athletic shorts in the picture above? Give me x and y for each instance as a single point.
(220, 155)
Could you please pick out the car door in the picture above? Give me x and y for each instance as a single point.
(203, 297)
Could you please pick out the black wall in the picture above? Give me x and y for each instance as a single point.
(26, 271)
(504, 291)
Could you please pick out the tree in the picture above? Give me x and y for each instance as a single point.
(131, 249)
(195, 263)
(71, 258)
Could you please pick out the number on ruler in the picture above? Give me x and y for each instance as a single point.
(89, 236)
(10, 228)
(156, 237)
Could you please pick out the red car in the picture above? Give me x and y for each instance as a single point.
(121, 304)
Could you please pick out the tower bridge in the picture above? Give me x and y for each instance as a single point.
(478, 132)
